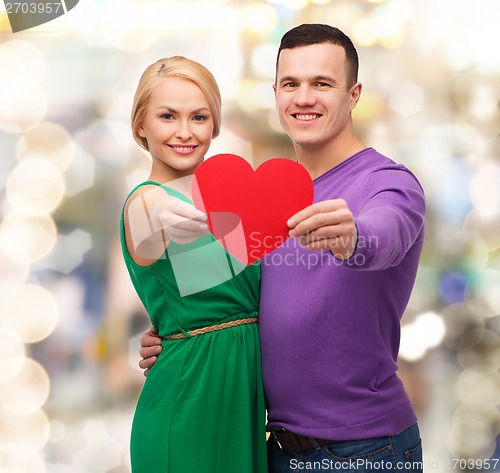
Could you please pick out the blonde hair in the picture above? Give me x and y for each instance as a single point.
(181, 67)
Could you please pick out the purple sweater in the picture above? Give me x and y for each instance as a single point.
(329, 329)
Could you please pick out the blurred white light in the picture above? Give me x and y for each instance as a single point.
(137, 176)
(25, 238)
(13, 273)
(464, 252)
(24, 103)
(102, 453)
(185, 16)
(446, 22)
(69, 251)
(255, 95)
(58, 431)
(30, 313)
(21, 112)
(471, 438)
(23, 68)
(25, 435)
(478, 410)
(413, 344)
(108, 141)
(488, 226)
(80, 175)
(128, 25)
(120, 109)
(476, 92)
(427, 331)
(433, 326)
(12, 67)
(273, 122)
(484, 190)
(32, 464)
(485, 287)
(222, 55)
(259, 18)
(47, 141)
(35, 187)
(425, 291)
(295, 4)
(385, 25)
(12, 356)
(263, 62)
(407, 98)
(27, 391)
(479, 383)
(133, 352)
(227, 140)
(11, 368)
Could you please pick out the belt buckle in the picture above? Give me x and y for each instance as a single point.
(289, 443)
(275, 437)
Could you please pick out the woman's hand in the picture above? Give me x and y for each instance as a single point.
(182, 222)
(150, 349)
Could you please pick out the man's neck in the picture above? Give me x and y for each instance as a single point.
(320, 159)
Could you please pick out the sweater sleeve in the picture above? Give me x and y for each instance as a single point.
(390, 220)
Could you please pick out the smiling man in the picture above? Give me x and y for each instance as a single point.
(315, 92)
(330, 328)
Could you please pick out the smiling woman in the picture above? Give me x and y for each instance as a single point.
(207, 382)
(178, 128)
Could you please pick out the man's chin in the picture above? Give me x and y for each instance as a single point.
(306, 143)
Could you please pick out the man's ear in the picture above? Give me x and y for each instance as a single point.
(274, 89)
(355, 94)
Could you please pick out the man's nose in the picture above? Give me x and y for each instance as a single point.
(305, 96)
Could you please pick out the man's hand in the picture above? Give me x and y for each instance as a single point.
(150, 349)
(327, 225)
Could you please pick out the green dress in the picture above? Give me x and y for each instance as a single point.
(201, 409)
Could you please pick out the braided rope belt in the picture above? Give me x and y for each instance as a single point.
(212, 328)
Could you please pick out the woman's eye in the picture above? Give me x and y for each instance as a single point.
(167, 116)
(200, 118)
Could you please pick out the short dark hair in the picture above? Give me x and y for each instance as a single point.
(316, 33)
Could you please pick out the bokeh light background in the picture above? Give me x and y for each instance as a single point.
(69, 317)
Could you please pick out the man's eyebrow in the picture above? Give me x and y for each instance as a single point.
(310, 79)
(287, 79)
(324, 79)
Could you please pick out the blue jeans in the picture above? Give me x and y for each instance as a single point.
(399, 454)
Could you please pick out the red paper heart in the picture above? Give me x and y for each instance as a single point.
(247, 210)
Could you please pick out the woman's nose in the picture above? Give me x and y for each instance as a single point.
(184, 130)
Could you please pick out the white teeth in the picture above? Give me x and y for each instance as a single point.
(306, 117)
(182, 148)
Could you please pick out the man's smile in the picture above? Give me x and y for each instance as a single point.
(306, 116)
